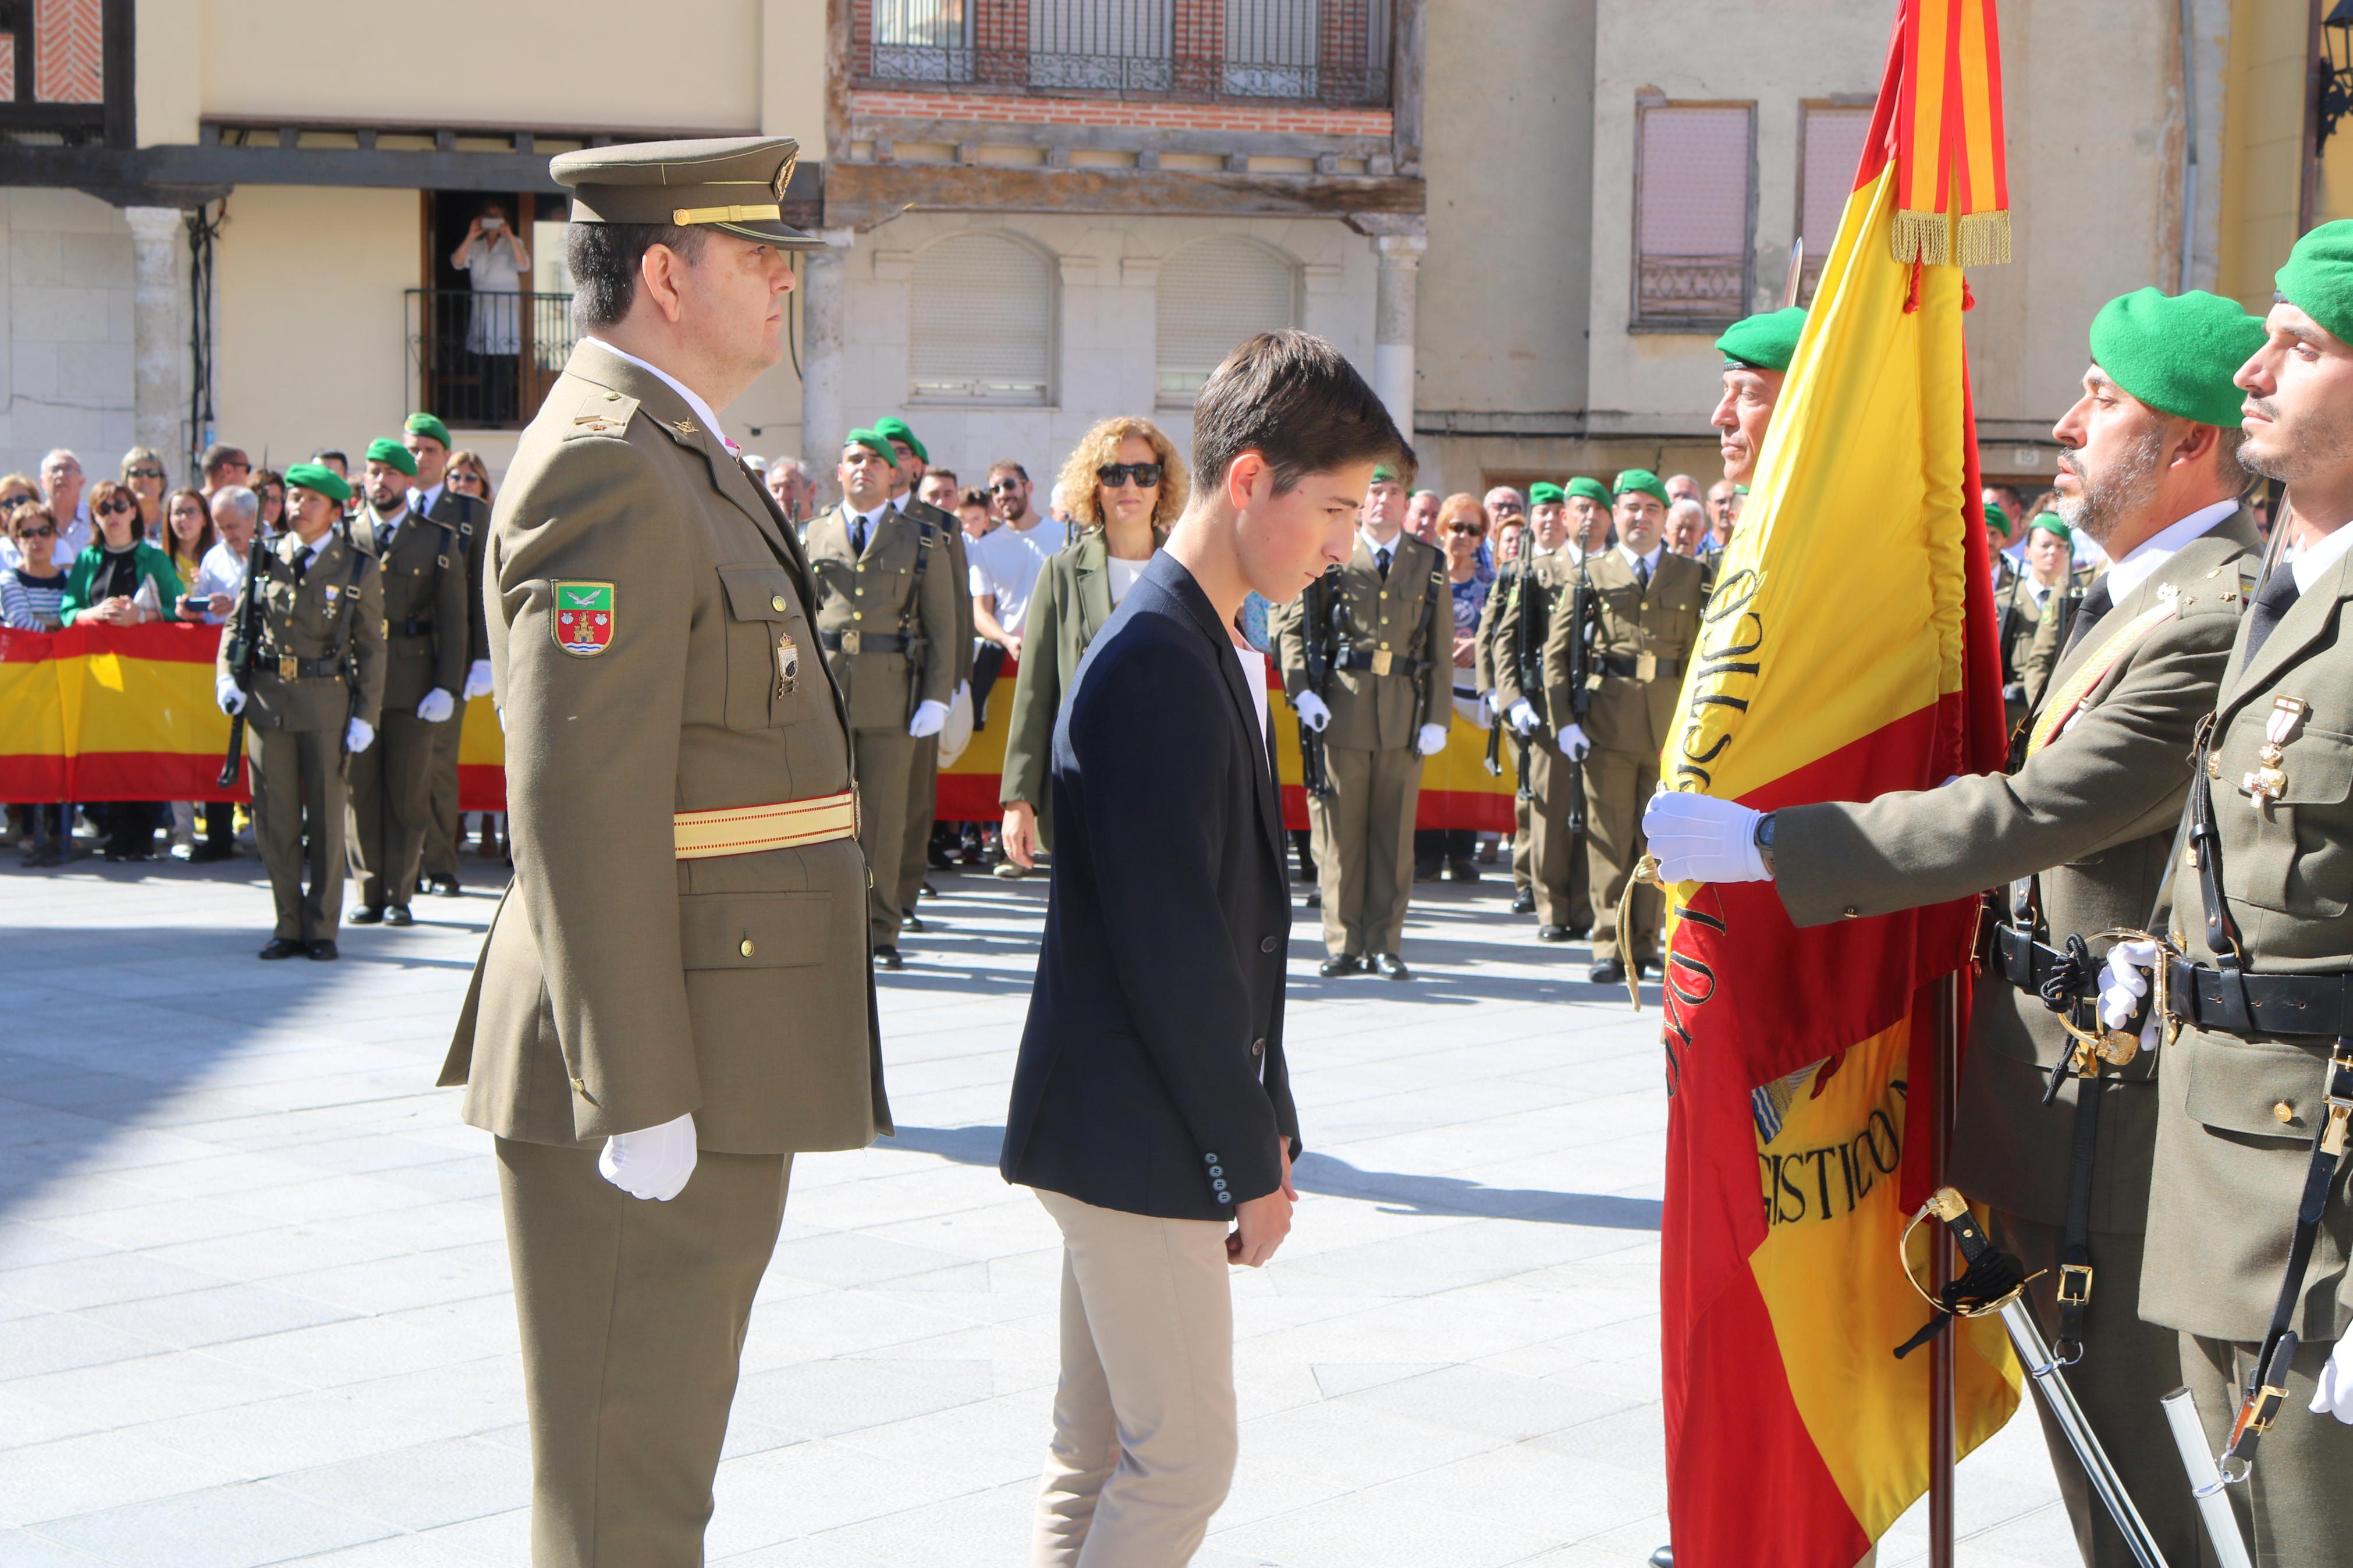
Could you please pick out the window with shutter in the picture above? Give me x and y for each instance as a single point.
(1111, 45)
(1829, 138)
(981, 322)
(1695, 184)
(923, 40)
(1214, 294)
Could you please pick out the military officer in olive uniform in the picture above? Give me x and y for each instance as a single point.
(923, 775)
(673, 998)
(2049, 587)
(422, 567)
(469, 519)
(2258, 1086)
(1649, 601)
(1553, 562)
(2075, 840)
(1387, 706)
(886, 617)
(314, 619)
(1483, 666)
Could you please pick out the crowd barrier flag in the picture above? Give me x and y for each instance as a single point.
(1847, 652)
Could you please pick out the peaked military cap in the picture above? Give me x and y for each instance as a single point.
(730, 182)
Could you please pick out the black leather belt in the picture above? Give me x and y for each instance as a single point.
(862, 642)
(287, 667)
(413, 627)
(1633, 668)
(1380, 661)
(2249, 1004)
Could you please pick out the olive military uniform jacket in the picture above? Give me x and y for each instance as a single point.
(1408, 616)
(950, 534)
(300, 615)
(1637, 654)
(1068, 607)
(881, 595)
(425, 630)
(1483, 668)
(2093, 813)
(470, 520)
(1538, 597)
(2236, 1118)
(2018, 614)
(621, 987)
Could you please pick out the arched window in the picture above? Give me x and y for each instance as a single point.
(1213, 296)
(981, 322)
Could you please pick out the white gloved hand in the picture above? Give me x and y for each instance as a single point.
(1573, 743)
(963, 690)
(478, 679)
(1523, 716)
(1699, 838)
(2123, 984)
(226, 693)
(1431, 740)
(435, 706)
(2333, 1394)
(1493, 704)
(1312, 711)
(654, 1163)
(358, 736)
(931, 718)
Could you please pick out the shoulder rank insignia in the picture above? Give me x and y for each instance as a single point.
(583, 626)
(685, 426)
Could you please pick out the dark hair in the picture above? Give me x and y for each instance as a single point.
(1296, 401)
(948, 474)
(1008, 466)
(972, 498)
(106, 490)
(217, 457)
(604, 258)
(23, 517)
(205, 541)
(330, 454)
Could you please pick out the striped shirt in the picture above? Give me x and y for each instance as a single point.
(31, 604)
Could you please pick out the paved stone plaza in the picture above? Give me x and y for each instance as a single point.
(255, 1308)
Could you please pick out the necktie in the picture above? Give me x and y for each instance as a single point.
(858, 537)
(1642, 572)
(1381, 559)
(383, 537)
(2272, 600)
(2098, 602)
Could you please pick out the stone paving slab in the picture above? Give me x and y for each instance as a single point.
(255, 1307)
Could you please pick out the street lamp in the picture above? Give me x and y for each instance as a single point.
(2337, 70)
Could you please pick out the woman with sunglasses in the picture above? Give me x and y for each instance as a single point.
(465, 472)
(1461, 532)
(143, 471)
(16, 490)
(105, 587)
(32, 599)
(1125, 488)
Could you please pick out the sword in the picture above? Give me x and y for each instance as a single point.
(1796, 273)
(2205, 1480)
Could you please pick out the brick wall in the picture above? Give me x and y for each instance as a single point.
(992, 108)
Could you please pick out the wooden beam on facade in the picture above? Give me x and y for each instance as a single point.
(860, 195)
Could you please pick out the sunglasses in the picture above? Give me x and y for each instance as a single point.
(1463, 529)
(111, 508)
(1005, 487)
(12, 501)
(1112, 475)
(44, 531)
(145, 474)
(1508, 508)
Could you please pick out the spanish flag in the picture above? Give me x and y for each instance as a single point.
(1848, 652)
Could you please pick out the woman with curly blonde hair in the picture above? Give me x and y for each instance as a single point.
(1124, 487)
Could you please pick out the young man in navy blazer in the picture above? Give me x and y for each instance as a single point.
(1151, 1108)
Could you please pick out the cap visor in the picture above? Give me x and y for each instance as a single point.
(771, 232)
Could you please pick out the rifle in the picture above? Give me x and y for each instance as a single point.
(340, 649)
(1320, 638)
(1529, 630)
(919, 643)
(1493, 762)
(1584, 617)
(244, 652)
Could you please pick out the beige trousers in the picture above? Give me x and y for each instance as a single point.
(1144, 1421)
(1363, 834)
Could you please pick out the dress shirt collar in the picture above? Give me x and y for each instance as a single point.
(1649, 563)
(2312, 561)
(421, 502)
(1396, 541)
(693, 400)
(2142, 561)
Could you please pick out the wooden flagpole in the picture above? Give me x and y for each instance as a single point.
(1947, 1009)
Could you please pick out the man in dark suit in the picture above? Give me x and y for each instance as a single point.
(1151, 1106)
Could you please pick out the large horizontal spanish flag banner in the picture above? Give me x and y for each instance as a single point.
(1801, 1063)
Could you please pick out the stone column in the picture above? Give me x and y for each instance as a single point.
(824, 321)
(1399, 258)
(159, 332)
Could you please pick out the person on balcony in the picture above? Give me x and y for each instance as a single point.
(495, 263)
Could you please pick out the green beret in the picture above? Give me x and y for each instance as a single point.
(2051, 522)
(895, 429)
(320, 478)
(385, 449)
(1640, 480)
(1385, 475)
(1544, 492)
(2177, 352)
(2318, 277)
(1765, 341)
(426, 424)
(1591, 490)
(1997, 520)
(873, 441)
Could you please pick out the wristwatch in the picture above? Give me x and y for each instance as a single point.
(1763, 839)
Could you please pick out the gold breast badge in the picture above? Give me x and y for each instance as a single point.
(788, 665)
(2267, 781)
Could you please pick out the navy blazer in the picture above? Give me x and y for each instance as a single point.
(1151, 1078)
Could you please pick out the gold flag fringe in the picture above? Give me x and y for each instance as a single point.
(1985, 239)
(1923, 237)
(1929, 238)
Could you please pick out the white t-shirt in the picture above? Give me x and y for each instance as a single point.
(496, 326)
(1254, 676)
(1005, 563)
(220, 571)
(1123, 575)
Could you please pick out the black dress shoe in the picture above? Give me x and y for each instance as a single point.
(928, 892)
(1552, 933)
(370, 916)
(1579, 932)
(282, 947)
(1314, 902)
(322, 951)
(444, 886)
(888, 958)
(1609, 972)
(1339, 964)
(911, 922)
(1461, 871)
(1391, 966)
(206, 854)
(1425, 873)
(1524, 903)
(398, 915)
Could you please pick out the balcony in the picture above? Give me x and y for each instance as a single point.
(484, 362)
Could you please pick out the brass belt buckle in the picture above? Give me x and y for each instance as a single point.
(2074, 1283)
(289, 667)
(850, 641)
(1646, 666)
(1382, 660)
(2340, 1109)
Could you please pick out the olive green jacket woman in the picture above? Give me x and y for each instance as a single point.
(1070, 606)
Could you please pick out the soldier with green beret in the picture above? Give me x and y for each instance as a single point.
(1756, 354)
(887, 621)
(422, 570)
(674, 996)
(2050, 585)
(467, 518)
(2075, 840)
(303, 662)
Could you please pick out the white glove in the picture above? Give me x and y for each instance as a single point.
(437, 706)
(2333, 1394)
(358, 736)
(1699, 838)
(2123, 984)
(478, 679)
(1493, 704)
(963, 690)
(1523, 716)
(1431, 740)
(1573, 743)
(931, 718)
(654, 1163)
(1312, 711)
(226, 693)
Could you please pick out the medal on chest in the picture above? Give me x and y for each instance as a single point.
(2268, 779)
(788, 665)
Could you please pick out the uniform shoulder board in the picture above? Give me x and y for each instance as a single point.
(601, 411)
